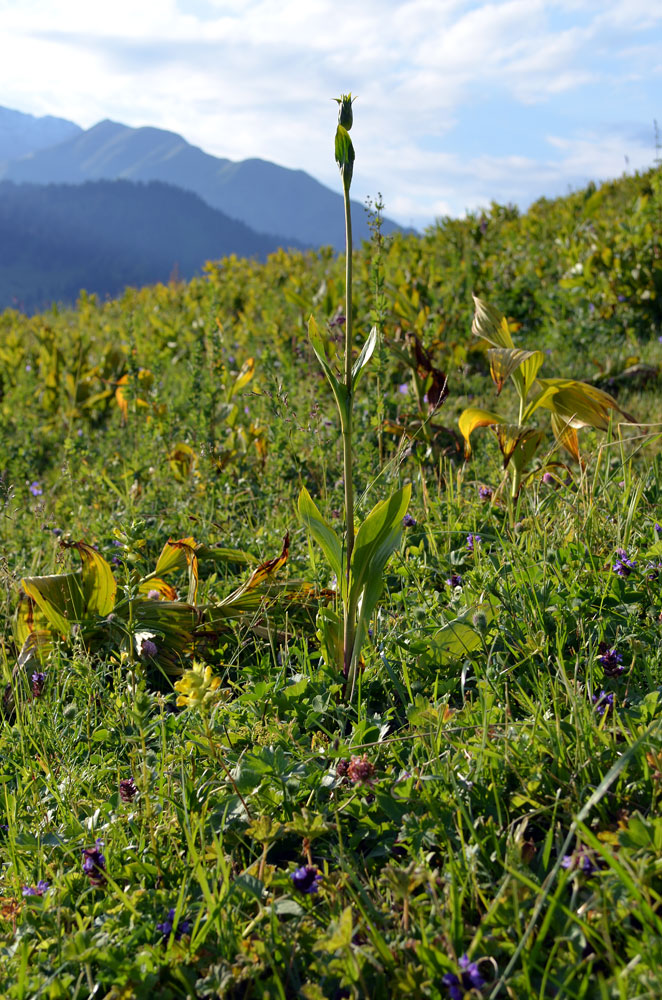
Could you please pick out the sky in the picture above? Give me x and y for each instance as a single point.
(459, 103)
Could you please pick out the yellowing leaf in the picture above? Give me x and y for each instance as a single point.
(566, 436)
(504, 361)
(472, 418)
(99, 586)
(178, 555)
(244, 377)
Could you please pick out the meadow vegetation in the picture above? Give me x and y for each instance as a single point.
(469, 804)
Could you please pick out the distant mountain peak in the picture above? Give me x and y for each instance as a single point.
(22, 134)
(268, 198)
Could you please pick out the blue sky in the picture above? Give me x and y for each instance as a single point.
(459, 102)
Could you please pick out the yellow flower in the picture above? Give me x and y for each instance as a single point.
(197, 687)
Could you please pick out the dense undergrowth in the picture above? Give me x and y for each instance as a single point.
(493, 789)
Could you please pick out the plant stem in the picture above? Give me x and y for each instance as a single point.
(347, 423)
(346, 419)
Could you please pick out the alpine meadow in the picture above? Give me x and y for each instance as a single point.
(331, 619)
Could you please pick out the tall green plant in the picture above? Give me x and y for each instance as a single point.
(358, 560)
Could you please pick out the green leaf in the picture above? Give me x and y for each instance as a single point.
(344, 156)
(338, 387)
(364, 357)
(376, 539)
(322, 532)
(341, 934)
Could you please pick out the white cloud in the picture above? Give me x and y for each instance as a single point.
(255, 77)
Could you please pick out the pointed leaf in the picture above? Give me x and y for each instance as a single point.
(504, 361)
(508, 436)
(375, 540)
(566, 435)
(582, 405)
(490, 324)
(472, 418)
(322, 532)
(244, 377)
(364, 357)
(178, 555)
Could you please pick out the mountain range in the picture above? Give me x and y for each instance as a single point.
(289, 206)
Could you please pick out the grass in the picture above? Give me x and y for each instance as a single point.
(481, 796)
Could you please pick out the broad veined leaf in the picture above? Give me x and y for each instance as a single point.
(364, 357)
(474, 417)
(322, 532)
(512, 436)
(59, 597)
(582, 405)
(99, 586)
(376, 539)
(490, 324)
(178, 555)
(243, 378)
(506, 361)
(566, 435)
(29, 620)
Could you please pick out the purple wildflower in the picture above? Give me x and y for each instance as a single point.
(611, 661)
(468, 979)
(623, 566)
(472, 541)
(582, 860)
(454, 580)
(306, 879)
(166, 928)
(409, 521)
(94, 864)
(38, 681)
(653, 570)
(148, 648)
(403, 389)
(35, 890)
(127, 789)
(35, 489)
(658, 528)
(603, 702)
(485, 492)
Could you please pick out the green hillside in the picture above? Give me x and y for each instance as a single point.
(478, 815)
